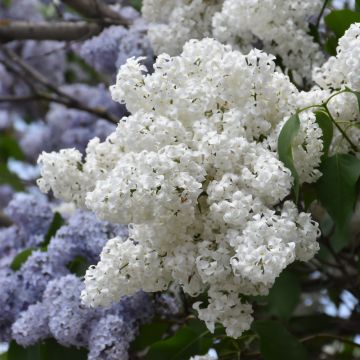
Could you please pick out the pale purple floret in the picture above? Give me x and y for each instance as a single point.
(69, 321)
(8, 303)
(35, 275)
(32, 216)
(69, 128)
(110, 339)
(110, 49)
(84, 236)
(6, 191)
(21, 10)
(32, 325)
(45, 56)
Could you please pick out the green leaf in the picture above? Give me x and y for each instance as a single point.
(331, 45)
(46, 350)
(78, 266)
(337, 191)
(284, 296)
(21, 258)
(276, 343)
(6, 3)
(185, 343)
(56, 224)
(17, 352)
(309, 195)
(340, 20)
(357, 94)
(149, 334)
(4, 356)
(54, 351)
(357, 5)
(7, 177)
(9, 148)
(312, 323)
(286, 137)
(327, 128)
(136, 4)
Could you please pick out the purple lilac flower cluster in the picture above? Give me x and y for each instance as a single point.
(42, 299)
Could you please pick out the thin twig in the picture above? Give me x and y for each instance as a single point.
(257, 354)
(321, 13)
(61, 96)
(99, 10)
(5, 221)
(56, 30)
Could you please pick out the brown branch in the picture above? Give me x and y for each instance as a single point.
(95, 9)
(70, 103)
(5, 221)
(330, 337)
(10, 98)
(61, 97)
(59, 30)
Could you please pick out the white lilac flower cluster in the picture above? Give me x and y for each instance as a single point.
(193, 170)
(279, 27)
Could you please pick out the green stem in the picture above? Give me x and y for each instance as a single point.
(321, 13)
(343, 133)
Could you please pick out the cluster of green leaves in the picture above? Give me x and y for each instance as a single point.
(338, 21)
(9, 149)
(337, 189)
(47, 350)
(159, 340)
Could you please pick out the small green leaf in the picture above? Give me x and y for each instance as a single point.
(136, 4)
(357, 5)
(276, 343)
(55, 225)
(78, 266)
(17, 352)
(46, 350)
(21, 258)
(327, 128)
(337, 191)
(7, 3)
(185, 343)
(330, 45)
(4, 356)
(284, 296)
(149, 334)
(9, 148)
(312, 323)
(357, 94)
(7, 177)
(340, 20)
(309, 195)
(286, 137)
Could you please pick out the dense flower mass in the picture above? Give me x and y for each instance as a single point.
(279, 27)
(195, 172)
